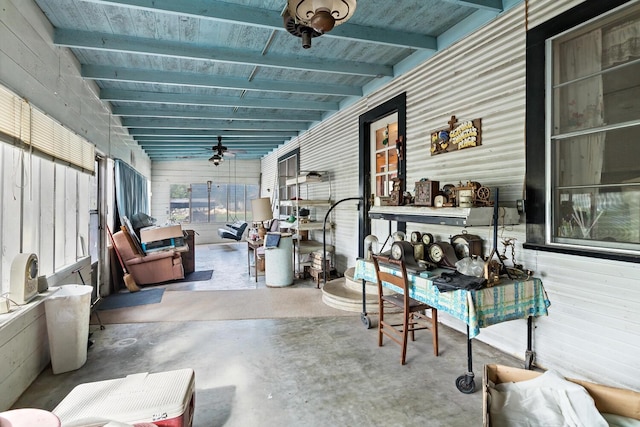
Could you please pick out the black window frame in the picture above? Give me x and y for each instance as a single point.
(536, 123)
(289, 190)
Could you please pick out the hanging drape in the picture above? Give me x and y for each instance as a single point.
(132, 194)
(584, 109)
(621, 43)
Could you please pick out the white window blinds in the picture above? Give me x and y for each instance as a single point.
(15, 114)
(20, 120)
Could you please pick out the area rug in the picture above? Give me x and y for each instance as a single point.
(195, 276)
(131, 299)
(268, 303)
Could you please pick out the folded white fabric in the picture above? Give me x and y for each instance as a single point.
(548, 400)
(620, 421)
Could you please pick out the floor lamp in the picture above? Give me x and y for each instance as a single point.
(261, 209)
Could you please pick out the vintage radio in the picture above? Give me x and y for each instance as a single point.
(425, 192)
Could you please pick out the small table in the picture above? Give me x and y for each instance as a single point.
(253, 246)
(510, 300)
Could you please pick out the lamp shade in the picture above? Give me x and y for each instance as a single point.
(261, 209)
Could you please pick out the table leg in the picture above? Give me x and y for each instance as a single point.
(249, 259)
(529, 355)
(465, 383)
(255, 258)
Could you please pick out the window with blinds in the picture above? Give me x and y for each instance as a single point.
(32, 127)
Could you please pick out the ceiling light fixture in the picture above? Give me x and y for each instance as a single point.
(313, 18)
(216, 159)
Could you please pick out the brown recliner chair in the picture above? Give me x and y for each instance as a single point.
(156, 267)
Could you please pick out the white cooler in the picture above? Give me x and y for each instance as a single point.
(166, 399)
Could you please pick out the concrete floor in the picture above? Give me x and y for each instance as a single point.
(285, 372)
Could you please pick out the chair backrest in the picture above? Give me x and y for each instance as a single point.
(241, 229)
(383, 276)
(124, 246)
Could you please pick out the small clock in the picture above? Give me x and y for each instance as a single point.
(416, 237)
(443, 254)
(427, 238)
(467, 245)
(439, 201)
(402, 250)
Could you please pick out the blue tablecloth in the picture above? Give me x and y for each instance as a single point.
(485, 307)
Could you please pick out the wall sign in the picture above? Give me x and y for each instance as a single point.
(459, 135)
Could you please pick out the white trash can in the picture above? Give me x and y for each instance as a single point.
(278, 260)
(67, 312)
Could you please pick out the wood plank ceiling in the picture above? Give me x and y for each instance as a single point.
(182, 74)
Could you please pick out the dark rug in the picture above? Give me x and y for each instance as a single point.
(132, 299)
(196, 276)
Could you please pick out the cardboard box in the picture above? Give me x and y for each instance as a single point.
(152, 234)
(610, 400)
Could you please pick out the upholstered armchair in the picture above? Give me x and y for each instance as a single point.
(155, 267)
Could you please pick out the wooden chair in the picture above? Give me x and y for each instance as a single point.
(414, 316)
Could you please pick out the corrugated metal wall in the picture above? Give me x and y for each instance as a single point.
(593, 330)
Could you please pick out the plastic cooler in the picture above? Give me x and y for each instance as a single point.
(166, 399)
(28, 417)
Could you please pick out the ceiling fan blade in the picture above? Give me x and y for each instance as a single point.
(234, 152)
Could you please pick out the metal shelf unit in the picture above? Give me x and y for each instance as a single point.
(301, 229)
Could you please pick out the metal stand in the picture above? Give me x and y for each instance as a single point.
(324, 236)
(93, 303)
(465, 383)
(529, 355)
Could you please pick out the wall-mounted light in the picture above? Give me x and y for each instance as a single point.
(312, 18)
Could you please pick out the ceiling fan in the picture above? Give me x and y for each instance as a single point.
(219, 152)
(219, 148)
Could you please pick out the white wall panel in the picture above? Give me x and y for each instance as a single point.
(268, 176)
(24, 350)
(32, 200)
(593, 329)
(47, 216)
